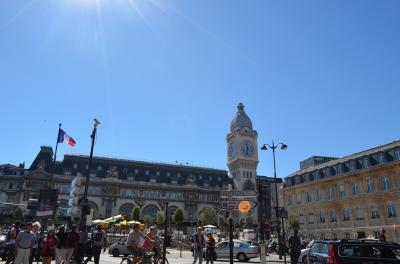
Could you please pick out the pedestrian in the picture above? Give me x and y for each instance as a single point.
(156, 243)
(136, 240)
(89, 246)
(61, 249)
(48, 247)
(11, 237)
(35, 247)
(382, 236)
(198, 245)
(23, 245)
(99, 242)
(210, 246)
(81, 247)
(295, 247)
(72, 242)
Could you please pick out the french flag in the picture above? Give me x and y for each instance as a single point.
(63, 136)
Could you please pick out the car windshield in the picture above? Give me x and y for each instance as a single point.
(320, 249)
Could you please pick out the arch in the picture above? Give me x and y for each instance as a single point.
(95, 208)
(126, 208)
(171, 211)
(151, 210)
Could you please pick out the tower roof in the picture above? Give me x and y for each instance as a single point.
(241, 120)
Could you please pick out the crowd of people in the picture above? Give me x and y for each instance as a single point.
(25, 244)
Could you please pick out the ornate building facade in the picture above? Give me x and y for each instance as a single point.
(117, 185)
(350, 197)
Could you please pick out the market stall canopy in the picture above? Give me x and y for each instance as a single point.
(209, 226)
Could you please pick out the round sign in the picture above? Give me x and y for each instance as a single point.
(245, 206)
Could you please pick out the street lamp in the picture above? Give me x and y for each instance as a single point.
(282, 146)
(84, 204)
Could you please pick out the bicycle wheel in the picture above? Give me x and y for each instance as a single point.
(126, 261)
(160, 260)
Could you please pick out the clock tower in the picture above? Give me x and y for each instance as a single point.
(242, 151)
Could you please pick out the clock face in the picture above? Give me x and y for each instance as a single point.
(231, 150)
(247, 148)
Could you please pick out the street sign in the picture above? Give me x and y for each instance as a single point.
(241, 205)
(230, 204)
(238, 193)
(245, 206)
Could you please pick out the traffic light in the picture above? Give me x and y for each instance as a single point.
(73, 201)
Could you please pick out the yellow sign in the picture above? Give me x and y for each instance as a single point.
(245, 206)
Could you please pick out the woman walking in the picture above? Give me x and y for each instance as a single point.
(210, 249)
(48, 247)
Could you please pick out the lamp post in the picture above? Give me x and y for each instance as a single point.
(282, 146)
(84, 204)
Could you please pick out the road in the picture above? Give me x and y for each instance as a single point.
(175, 257)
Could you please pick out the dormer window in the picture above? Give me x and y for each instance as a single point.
(219, 179)
(168, 174)
(382, 158)
(136, 171)
(99, 168)
(178, 175)
(200, 177)
(75, 166)
(397, 154)
(157, 173)
(147, 172)
(367, 162)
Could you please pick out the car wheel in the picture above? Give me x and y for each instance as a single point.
(242, 257)
(115, 252)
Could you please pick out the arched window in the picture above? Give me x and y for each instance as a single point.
(126, 209)
(171, 211)
(150, 210)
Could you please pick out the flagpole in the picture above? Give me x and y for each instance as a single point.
(54, 159)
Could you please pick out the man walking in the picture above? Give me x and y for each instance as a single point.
(99, 242)
(198, 245)
(35, 247)
(82, 244)
(23, 245)
(72, 242)
(62, 249)
(294, 245)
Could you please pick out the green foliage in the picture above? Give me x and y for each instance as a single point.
(160, 218)
(248, 221)
(221, 222)
(207, 217)
(178, 216)
(148, 220)
(135, 213)
(19, 213)
(293, 222)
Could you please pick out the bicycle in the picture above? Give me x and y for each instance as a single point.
(148, 259)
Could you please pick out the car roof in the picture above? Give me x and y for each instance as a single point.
(356, 241)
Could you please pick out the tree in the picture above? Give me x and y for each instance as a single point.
(135, 213)
(248, 221)
(18, 213)
(178, 216)
(293, 222)
(207, 216)
(160, 218)
(148, 220)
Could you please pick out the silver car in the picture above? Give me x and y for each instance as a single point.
(243, 251)
(119, 248)
(304, 252)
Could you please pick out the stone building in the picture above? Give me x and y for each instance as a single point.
(116, 185)
(350, 197)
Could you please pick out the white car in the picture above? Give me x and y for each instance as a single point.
(119, 248)
(304, 252)
(242, 251)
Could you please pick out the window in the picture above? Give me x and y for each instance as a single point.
(153, 180)
(178, 175)
(382, 158)
(359, 212)
(333, 215)
(311, 218)
(318, 195)
(346, 214)
(322, 217)
(367, 163)
(67, 173)
(355, 188)
(374, 211)
(386, 183)
(158, 173)
(75, 166)
(147, 172)
(397, 154)
(342, 191)
(308, 197)
(289, 202)
(370, 186)
(99, 168)
(200, 177)
(391, 209)
(330, 194)
(299, 198)
(168, 174)
(219, 179)
(136, 171)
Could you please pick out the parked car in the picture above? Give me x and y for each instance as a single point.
(119, 248)
(242, 250)
(354, 252)
(304, 253)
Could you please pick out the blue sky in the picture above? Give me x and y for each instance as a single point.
(165, 77)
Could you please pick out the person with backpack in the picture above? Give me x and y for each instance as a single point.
(198, 245)
(48, 247)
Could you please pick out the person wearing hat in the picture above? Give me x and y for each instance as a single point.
(23, 245)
